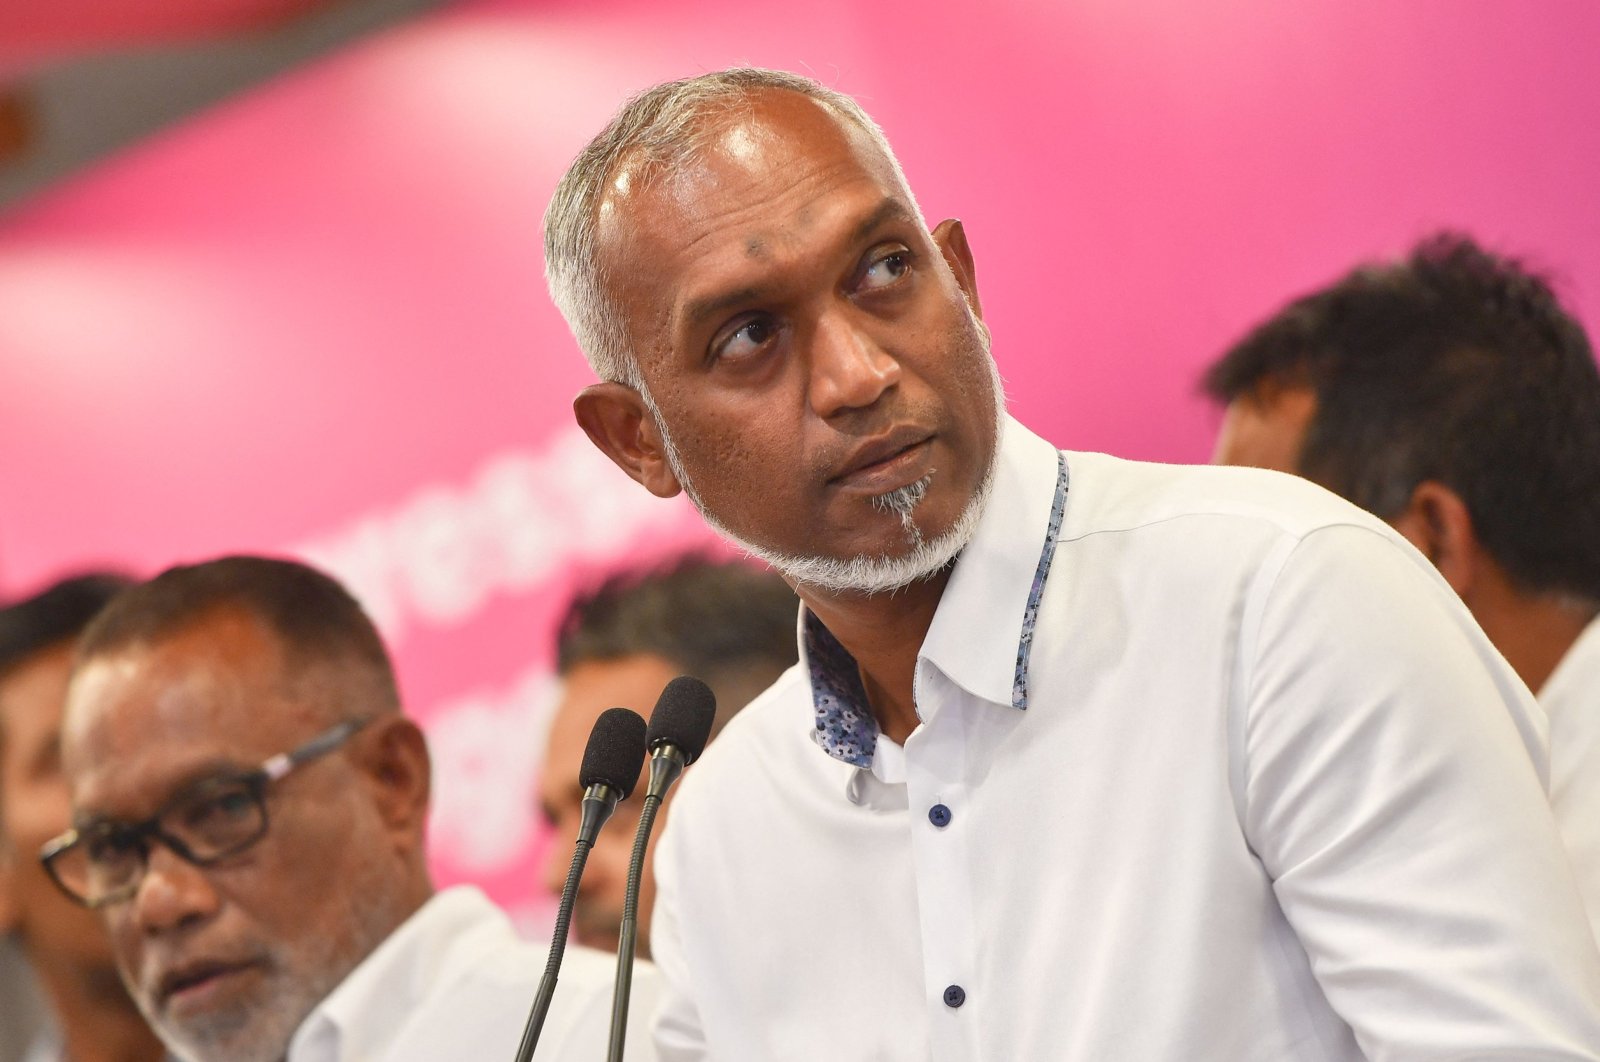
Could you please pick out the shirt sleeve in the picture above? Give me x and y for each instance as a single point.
(678, 1033)
(1394, 790)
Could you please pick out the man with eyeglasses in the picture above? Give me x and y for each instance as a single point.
(249, 811)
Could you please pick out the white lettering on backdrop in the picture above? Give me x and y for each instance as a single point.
(438, 557)
(487, 746)
(522, 520)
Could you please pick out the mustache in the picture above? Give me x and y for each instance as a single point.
(906, 418)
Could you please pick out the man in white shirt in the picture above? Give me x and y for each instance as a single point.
(249, 805)
(1452, 395)
(1083, 759)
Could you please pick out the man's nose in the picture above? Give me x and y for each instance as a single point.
(849, 370)
(173, 893)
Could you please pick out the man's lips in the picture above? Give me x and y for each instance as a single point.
(886, 462)
(195, 980)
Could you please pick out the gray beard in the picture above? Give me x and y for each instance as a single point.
(304, 973)
(863, 574)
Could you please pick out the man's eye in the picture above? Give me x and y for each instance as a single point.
(215, 817)
(111, 847)
(747, 340)
(886, 270)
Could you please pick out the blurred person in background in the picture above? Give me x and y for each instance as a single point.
(249, 805)
(92, 1018)
(724, 622)
(1452, 395)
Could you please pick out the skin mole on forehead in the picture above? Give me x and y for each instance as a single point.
(755, 247)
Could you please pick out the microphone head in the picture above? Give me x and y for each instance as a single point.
(683, 717)
(615, 753)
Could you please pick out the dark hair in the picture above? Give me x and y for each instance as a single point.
(314, 617)
(729, 624)
(55, 614)
(1454, 365)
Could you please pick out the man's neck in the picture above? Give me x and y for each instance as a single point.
(1532, 631)
(98, 1021)
(883, 632)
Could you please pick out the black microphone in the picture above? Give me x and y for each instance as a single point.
(611, 762)
(679, 729)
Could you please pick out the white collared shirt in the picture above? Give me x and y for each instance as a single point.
(1571, 700)
(1273, 796)
(454, 984)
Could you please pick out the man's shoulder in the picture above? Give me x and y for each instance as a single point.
(1111, 494)
(480, 985)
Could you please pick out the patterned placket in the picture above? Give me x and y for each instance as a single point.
(845, 728)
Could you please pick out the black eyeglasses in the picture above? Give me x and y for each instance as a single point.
(104, 862)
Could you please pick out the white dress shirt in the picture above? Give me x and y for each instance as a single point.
(1272, 796)
(1571, 700)
(455, 984)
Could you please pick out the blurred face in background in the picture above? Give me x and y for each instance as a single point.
(58, 935)
(590, 687)
(1266, 428)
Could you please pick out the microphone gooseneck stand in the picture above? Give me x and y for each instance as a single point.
(679, 728)
(610, 770)
(629, 939)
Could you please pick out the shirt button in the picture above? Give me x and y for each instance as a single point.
(954, 996)
(939, 815)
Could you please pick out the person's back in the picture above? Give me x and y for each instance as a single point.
(1453, 396)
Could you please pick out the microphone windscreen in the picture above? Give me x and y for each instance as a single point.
(615, 753)
(683, 717)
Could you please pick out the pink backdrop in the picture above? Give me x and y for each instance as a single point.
(313, 319)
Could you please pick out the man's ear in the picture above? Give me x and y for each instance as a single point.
(951, 238)
(395, 759)
(616, 420)
(1437, 522)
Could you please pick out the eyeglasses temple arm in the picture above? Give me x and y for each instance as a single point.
(284, 762)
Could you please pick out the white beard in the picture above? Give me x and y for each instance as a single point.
(864, 574)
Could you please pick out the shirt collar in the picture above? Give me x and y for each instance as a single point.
(983, 629)
(361, 1014)
(1581, 659)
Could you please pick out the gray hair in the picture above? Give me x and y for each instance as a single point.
(658, 129)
